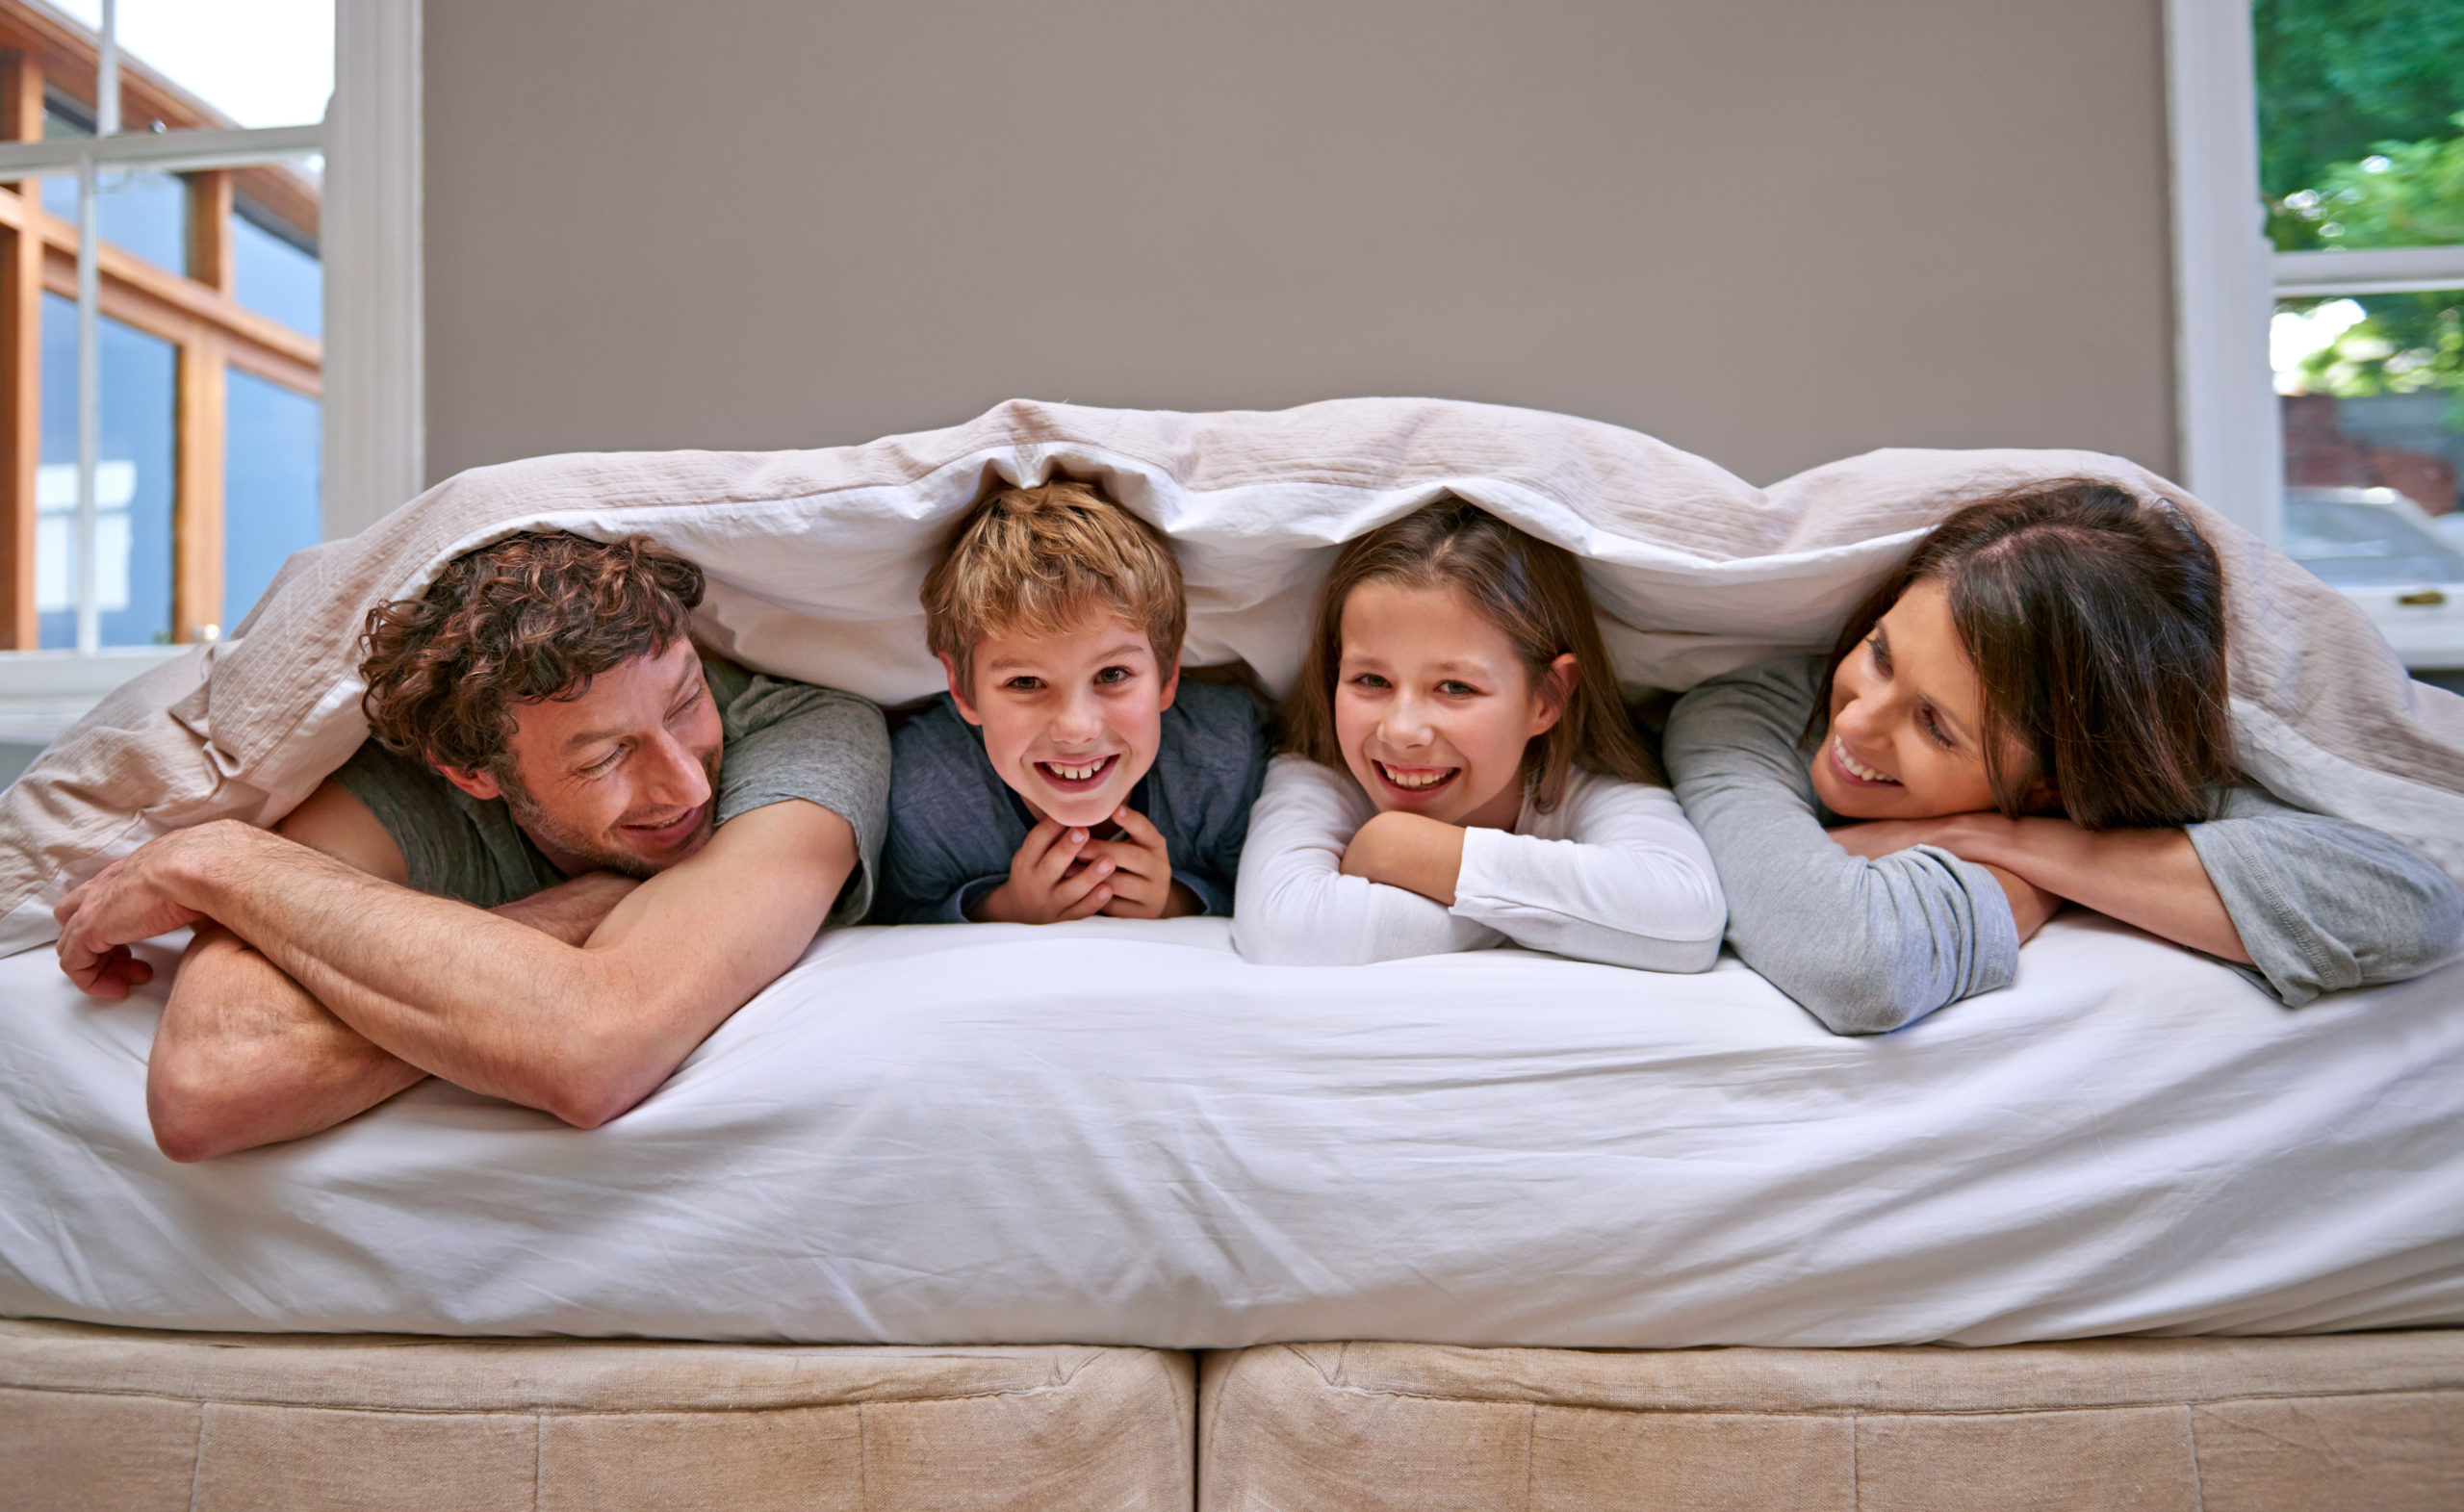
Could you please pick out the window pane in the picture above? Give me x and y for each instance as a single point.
(2359, 144)
(2374, 393)
(133, 484)
(275, 271)
(145, 212)
(261, 63)
(271, 481)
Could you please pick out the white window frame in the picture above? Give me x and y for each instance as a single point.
(2232, 441)
(373, 369)
(2227, 276)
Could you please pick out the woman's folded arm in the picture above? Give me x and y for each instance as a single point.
(1866, 945)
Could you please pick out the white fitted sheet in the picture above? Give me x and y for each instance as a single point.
(1120, 1133)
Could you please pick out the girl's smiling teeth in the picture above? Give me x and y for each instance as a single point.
(1415, 779)
(1856, 769)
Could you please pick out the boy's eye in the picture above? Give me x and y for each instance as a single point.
(1023, 684)
(1111, 675)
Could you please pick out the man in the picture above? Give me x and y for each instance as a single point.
(569, 852)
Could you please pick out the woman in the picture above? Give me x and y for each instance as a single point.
(2032, 710)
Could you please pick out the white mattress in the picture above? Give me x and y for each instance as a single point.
(1116, 1133)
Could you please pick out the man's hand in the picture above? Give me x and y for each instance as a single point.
(1409, 850)
(1142, 877)
(134, 898)
(1048, 884)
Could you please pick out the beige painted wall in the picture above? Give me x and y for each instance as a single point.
(1773, 231)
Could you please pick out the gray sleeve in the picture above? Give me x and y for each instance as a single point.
(793, 740)
(1865, 946)
(950, 833)
(2323, 904)
(1237, 743)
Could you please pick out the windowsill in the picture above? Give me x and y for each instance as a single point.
(45, 692)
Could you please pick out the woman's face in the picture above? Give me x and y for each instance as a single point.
(1432, 707)
(1904, 706)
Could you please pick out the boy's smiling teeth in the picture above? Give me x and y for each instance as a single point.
(1414, 776)
(1075, 772)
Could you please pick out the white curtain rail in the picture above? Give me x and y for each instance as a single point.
(2397, 269)
(166, 151)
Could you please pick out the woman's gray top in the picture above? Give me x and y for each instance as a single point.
(1869, 946)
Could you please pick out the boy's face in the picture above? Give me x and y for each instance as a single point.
(1070, 721)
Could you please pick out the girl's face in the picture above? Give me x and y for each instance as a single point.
(1432, 707)
(1904, 737)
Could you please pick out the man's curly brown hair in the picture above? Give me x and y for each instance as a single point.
(532, 617)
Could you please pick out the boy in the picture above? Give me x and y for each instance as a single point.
(1068, 771)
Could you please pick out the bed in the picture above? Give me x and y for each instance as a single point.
(1120, 1133)
(1464, 1177)
(927, 1140)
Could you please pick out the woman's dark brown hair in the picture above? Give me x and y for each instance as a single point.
(1530, 590)
(2096, 623)
(532, 617)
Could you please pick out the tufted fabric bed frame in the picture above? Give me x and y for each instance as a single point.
(93, 1417)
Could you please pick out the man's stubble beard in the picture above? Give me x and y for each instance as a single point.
(546, 830)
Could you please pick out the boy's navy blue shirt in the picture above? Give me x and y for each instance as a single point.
(955, 826)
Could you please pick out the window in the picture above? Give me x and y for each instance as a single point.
(2318, 221)
(172, 425)
(2361, 154)
(138, 293)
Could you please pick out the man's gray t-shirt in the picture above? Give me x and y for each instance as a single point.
(782, 740)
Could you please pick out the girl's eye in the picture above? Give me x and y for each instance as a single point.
(1454, 687)
(1368, 680)
(1934, 728)
(1112, 675)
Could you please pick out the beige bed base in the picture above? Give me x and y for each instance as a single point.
(106, 1418)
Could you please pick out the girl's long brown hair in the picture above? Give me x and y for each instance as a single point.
(1530, 590)
(2096, 623)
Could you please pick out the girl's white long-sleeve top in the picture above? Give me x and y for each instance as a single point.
(1613, 874)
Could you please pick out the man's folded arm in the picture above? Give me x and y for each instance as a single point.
(244, 1055)
(582, 1031)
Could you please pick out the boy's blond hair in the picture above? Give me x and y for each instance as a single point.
(1037, 559)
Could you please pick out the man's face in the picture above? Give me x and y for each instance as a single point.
(621, 779)
(1071, 721)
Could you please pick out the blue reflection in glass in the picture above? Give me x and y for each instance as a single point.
(145, 212)
(134, 483)
(273, 277)
(271, 478)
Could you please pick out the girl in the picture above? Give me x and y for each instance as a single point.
(2032, 710)
(1462, 773)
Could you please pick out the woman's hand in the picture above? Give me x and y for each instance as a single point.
(1407, 851)
(1972, 837)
